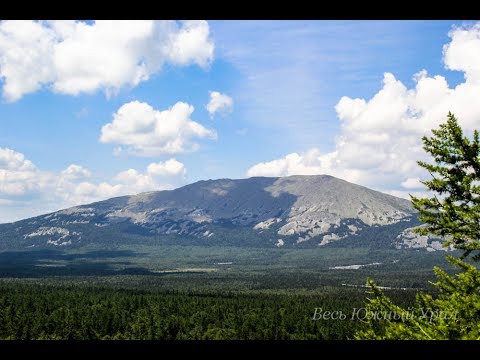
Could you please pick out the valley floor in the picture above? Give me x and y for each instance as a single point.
(188, 292)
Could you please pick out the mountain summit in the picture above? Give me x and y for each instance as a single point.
(260, 211)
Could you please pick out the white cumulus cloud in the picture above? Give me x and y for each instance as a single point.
(73, 57)
(380, 139)
(170, 167)
(464, 47)
(12, 160)
(144, 131)
(219, 103)
(18, 176)
(74, 171)
(308, 163)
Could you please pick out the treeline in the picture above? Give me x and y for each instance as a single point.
(76, 312)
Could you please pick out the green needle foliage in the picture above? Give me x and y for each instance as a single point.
(454, 213)
(455, 177)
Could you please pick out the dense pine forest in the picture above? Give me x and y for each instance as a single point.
(29, 311)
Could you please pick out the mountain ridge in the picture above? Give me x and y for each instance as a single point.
(298, 210)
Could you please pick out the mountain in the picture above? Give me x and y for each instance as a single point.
(293, 211)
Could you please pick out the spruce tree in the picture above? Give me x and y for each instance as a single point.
(453, 212)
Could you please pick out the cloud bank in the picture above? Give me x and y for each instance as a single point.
(25, 188)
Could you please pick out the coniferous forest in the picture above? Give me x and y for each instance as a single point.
(263, 294)
(88, 313)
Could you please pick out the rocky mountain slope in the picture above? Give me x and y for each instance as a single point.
(260, 211)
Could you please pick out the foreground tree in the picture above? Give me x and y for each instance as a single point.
(453, 213)
(456, 179)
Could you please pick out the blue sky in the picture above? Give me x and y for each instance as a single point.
(282, 102)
